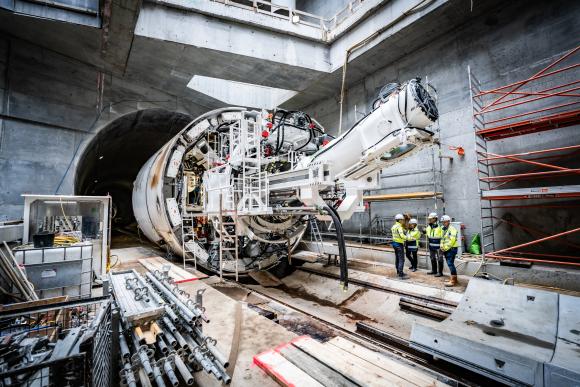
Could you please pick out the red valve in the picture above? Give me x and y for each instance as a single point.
(459, 149)
(312, 125)
(324, 142)
(269, 125)
(265, 133)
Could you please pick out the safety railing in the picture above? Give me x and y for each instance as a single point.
(294, 15)
(548, 100)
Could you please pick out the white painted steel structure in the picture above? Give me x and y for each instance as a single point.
(272, 170)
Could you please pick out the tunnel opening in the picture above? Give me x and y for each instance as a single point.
(113, 158)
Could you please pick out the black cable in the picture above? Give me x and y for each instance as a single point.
(341, 245)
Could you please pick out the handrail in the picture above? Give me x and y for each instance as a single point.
(296, 16)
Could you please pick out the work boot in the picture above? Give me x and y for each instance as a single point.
(433, 267)
(452, 281)
(439, 269)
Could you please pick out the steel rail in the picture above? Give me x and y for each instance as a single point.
(396, 346)
(387, 289)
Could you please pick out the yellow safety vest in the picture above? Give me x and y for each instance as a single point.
(434, 234)
(398, 233)
(413, 237)
(449, 239)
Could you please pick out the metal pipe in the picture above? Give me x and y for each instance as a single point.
(168, 324)
(531, 174)
(180, 340)
(169, 373)
(158, 376)
(170, 339)
(185, 301)
(500, 257)
(535, 76)
(556, 94)
(171, 314)
(142, 353)
(485, 92)
(538, 241)
(182, 308)
(161, 345)
(129, 375)
(182, 368)
(125, 352)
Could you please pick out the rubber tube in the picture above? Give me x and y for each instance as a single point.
(341, 246)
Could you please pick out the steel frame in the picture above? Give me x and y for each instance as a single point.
(517, 109)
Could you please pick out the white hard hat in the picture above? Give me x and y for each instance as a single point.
(432, 215)
(446, 218)
(413, 221)
(399, 217)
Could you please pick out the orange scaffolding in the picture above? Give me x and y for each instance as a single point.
(548, 100)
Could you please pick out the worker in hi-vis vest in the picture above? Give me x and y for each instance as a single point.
(434, 233)
(412, 244)
(398, 243)
(449, 245)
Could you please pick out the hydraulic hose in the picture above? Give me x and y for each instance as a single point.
(341, 246)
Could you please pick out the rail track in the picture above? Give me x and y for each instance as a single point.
(376, 339)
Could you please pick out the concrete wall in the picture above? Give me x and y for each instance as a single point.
(48, 103)
(511, 43)
(50, 108)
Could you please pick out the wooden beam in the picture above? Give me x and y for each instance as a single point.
(351, 367)
(282, 371)
(409, 373)
(318, 370)
(399, 196)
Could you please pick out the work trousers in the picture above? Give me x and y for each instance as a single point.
(450, 258)
(435, 256)
(399, 257)
(411, 256)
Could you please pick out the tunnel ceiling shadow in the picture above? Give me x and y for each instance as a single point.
(113, 158)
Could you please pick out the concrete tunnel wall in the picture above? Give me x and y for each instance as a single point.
(504, 46)
(112, 159)
(50, 117)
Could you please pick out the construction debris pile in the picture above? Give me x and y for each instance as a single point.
(161, 339)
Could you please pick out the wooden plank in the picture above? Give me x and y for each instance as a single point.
(319, 371)
(410, 374)
(398, 196)
(350, 366)
(306, 256)
(265, 278)
(282, 371)
(29, 304)
(177, 273)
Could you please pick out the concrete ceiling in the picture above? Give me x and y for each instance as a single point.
(136, 64)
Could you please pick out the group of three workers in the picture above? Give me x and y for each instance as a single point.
(442, 242)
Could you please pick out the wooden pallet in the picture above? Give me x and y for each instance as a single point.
(338, 362)
(177, 273)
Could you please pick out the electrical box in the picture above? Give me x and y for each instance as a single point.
(74, 221)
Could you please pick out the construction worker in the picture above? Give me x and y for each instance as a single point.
(434, 233)
(398, 243)
(449, 245)
(412, 243)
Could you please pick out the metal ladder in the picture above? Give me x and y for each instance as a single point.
(315, 235)
(227, 238)
(482, 168)
(254, 186)
(185, 218)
